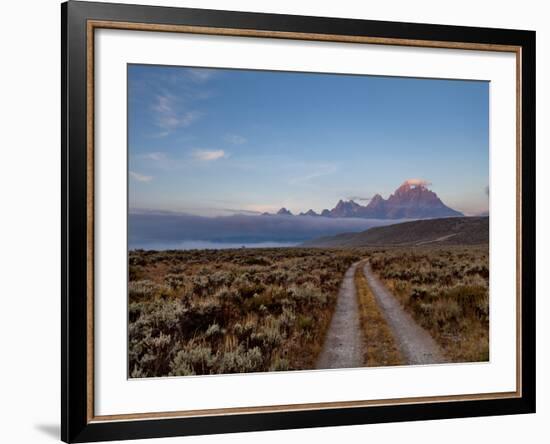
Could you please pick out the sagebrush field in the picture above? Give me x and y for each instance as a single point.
(254, 310)
(230, 311)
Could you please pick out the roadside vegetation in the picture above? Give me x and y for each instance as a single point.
(446, 290)
(381, 348)
(230, 311)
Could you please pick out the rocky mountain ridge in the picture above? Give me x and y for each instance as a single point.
(412, 200)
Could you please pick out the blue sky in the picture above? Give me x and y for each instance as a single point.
(213, 142)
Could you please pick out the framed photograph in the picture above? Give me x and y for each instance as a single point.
(275, 221)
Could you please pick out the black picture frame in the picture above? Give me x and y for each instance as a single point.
(76, 424)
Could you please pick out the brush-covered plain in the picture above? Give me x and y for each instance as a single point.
(230, 311)
(205, 312)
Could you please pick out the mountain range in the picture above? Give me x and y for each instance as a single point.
(412, 200)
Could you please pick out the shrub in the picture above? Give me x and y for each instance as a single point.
(140, 290)
(308, 293)
(214, 331)
(472, 299)
(135, 273)
(241, 361)
(287, 318)
(200, 285)
(269, 335)
(244, 332)
(280, 364)
(220, 278)
(192, 359)
(154, 354)
(305, 323)
(227, 295)
(246, 286)
(446, 311)
(175, 281)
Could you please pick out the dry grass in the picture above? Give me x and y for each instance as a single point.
(230, 311)
(381, 348)
(446, 290)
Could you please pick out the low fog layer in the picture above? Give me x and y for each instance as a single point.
(169, 230)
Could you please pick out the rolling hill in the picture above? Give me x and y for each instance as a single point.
(445, 231)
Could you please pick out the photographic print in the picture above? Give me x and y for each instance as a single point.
(256, 206)
(283, 221)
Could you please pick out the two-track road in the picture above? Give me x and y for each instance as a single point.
(344, 343)
(415, 343)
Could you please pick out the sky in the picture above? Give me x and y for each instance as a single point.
(218, 142)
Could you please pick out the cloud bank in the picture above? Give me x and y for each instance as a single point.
(148, 229)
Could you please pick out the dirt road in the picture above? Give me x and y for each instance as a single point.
(416, 344)
(343, 347)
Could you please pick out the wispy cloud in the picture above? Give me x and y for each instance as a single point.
(159, 135)
(169, 114)
(140, 177)
(241, 211)
(418, 182)
(154, 156)
(199, 75)
(208, 155)
(360, 198)
(235, 139)
(262, 208)
(319, 171)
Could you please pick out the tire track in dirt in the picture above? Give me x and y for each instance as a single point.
(343, 346)
(415, 343)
